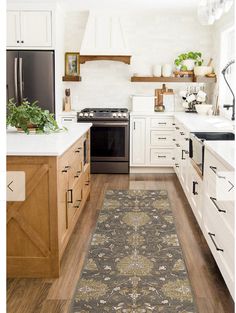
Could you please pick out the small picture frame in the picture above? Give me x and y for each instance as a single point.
(72, 64)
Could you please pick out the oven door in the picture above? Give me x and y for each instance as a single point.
(196, 152)
(110, 141)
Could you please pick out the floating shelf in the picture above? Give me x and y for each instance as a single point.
(191, 79)
(71, 78)
(120, 58)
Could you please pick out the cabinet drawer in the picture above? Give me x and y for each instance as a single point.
(161, 156)
(161, 138)
(221, 244)
(162, 123)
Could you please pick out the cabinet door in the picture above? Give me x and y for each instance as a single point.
(13, 29)
(138, 137)
(36, 28)
(195, 194)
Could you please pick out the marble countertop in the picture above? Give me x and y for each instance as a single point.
(53, 144)
(223, 150)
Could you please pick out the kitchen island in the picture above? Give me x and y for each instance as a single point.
(57, 186)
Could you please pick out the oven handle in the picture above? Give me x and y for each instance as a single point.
(110, 124)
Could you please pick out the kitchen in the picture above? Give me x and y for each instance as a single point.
(144, 107)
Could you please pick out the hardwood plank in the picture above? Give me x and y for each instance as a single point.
(211, 293)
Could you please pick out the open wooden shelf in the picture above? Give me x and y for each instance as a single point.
(71, 78)
(191, 79)
(120, 58)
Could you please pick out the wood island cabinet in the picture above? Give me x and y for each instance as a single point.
(39, 228)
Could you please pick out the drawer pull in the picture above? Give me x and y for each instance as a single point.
(174, 139)
(70, 192)
(87, 183)
(162, 156)
(181, 133)
(177, 145)
(194, 188)
(162, 123)
(176, 127)
(173, 124)
(182, 155)
(78, 150)
(176, 165)
(162, 138)
(211, 236)
(214, 169)
(186, 138)
(78, 173)
(67, 119)
(67, 167)
(216, 205)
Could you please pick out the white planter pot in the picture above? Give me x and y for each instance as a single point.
(189, 64)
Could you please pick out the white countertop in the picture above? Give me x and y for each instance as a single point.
(223, 150)
(197, 122)
(54, 144)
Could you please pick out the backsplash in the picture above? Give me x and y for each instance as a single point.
(107, 84)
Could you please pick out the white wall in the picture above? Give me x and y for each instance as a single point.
(153, 37)
(227, 21)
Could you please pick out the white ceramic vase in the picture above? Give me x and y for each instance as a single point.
(167, 70)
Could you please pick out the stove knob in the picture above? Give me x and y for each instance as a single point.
(114, 114)
(91, 114)
(124, 114)
(81, 114)
(86, 114)
(119, 114)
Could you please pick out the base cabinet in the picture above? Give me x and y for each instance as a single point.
(39, 228)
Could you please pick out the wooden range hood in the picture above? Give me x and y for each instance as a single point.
(104, 39)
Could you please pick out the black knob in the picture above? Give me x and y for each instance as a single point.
(22, 41)
(18, 41)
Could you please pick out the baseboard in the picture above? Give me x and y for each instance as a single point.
(148, 170)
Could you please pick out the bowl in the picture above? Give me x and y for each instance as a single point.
(202, 70)
(203, 108)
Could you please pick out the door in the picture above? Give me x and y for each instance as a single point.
(36, 28)
(13, 28)
(138, 135)
(36, 78)
(12, 76)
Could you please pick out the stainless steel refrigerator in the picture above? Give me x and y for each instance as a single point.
(30, 74)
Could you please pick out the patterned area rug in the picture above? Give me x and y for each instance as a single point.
(135, 263)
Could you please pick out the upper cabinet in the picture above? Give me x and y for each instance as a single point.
(26, 29)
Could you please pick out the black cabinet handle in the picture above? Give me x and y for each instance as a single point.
(18, 41)
(177, 145)
(78, 150)
(176, 127)
(214, 169)
(162, 123)
(22, 41)
(176, 165)
(182, 155)
(162, 138)
(162, 156)
(134, 125)
(194, 187)
(187, 139)
(211, 236)
(70, 192)
(216, 205)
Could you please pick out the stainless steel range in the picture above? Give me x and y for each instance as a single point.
(109, 139)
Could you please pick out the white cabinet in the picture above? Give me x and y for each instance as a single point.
(29, 29)
(151, 138)
(138, 141)
(218, 216)
(13, 28)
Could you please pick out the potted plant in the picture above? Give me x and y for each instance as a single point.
(187, 61)
(29, 117)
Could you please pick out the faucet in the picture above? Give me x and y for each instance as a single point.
(227, 106)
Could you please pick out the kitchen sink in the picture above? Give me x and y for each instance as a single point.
(214, 135)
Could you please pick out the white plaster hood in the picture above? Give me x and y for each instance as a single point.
(104, 38)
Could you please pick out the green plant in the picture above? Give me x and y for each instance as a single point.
(28, 115)
(196, 56)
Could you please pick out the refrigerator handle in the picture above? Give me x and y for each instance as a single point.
(21, 80)
(15, 79)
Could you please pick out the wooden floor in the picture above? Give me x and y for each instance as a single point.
(53, 296)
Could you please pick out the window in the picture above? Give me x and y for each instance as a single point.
(227, 55)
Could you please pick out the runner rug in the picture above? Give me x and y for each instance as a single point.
(135, 263)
